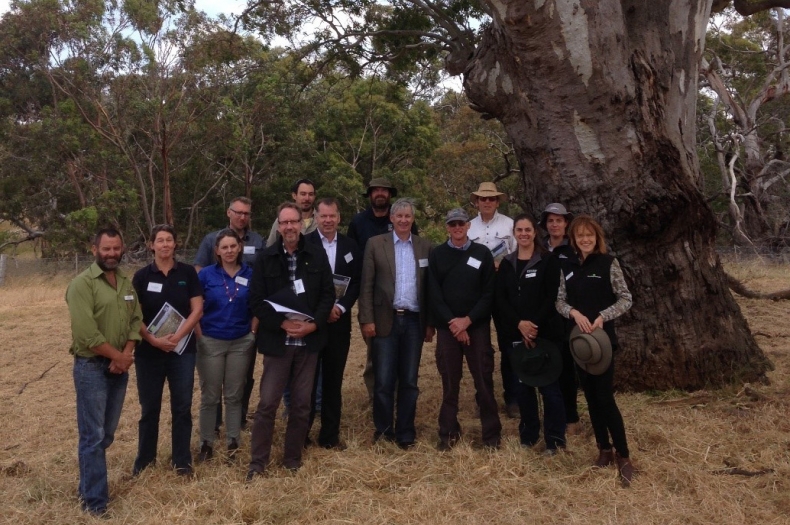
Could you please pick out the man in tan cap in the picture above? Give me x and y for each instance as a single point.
(495, 231)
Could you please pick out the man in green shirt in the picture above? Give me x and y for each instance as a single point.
(105, 325)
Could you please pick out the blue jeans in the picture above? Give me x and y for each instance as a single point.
(396, 360)
(100, 396)
(153, 368)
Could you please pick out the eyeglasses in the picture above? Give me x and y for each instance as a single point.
(488, 199)
(288, 223)
(242, 213)
(456, 224)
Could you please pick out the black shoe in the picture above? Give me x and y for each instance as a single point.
(308, 442)
(186, 472)
(405, 445)
(206, 453)
(251, 475)
(443, 446)
(233, 448)
(337, 445)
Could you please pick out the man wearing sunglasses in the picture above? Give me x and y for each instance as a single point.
(495, 231)
(460, 295)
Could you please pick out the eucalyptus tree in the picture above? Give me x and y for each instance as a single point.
(598, 99)
(745, 117)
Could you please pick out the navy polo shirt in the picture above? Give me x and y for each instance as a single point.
(226, 313)
(178, 287)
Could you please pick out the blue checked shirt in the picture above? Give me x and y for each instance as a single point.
(405, 276)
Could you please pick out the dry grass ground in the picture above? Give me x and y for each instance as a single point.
(694, 451)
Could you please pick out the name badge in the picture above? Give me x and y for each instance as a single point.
(567, 277)
(298, 286)
(154, 287)
(128, 297)
(474, 263)
(249, 250)
(563, 256)
(241, 280)
(423, 263)
(530, 274)
(349, 257)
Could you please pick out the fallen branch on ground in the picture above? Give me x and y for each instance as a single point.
(741, 289)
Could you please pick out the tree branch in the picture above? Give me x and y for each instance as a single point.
(741, 289)
(750, 7)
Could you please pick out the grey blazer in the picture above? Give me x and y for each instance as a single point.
(378, 281)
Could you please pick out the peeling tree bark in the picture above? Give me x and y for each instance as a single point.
(599, 100)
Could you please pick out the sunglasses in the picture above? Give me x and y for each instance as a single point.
(488, 199)
(456, 224)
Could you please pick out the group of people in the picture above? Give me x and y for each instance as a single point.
(290, 298)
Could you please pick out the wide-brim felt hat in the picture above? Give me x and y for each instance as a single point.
(555, 208)
(537, 366)
(381, 182)
(487, 189)
(592, 352)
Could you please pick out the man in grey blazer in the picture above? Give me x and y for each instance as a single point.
(393, 311)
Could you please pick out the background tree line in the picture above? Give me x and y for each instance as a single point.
(132, 114)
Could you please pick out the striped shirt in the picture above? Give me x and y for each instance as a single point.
(405, 276)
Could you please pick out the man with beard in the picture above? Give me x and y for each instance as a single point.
(105, 326)
(373, 220)
(289, 346)
(303, 194)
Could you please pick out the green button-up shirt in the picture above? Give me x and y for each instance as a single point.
(100, 313)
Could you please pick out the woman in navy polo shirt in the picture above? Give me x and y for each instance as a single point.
(162, 358)
(225, 347)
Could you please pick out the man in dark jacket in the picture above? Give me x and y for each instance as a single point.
(346, 262)
(461, 295)
(289, 346)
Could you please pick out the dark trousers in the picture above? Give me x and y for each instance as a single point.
(154, 367)
(604, 415)
(333, 364)
(297, 365)
(510, 383)
(553, 415)
(396, 363)
(480, 360)
(568, 383)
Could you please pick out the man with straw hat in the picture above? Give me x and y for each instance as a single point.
(495, 231)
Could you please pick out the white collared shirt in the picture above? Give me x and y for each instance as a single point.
(496, 234)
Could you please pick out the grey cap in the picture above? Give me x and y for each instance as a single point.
(554, 208)
(456, 214)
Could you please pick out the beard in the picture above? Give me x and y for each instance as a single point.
(107, 264)
(380, 203)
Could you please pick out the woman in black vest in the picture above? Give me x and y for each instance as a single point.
(593, 293)
(526, 288)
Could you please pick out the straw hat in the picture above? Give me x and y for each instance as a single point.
(487, 189)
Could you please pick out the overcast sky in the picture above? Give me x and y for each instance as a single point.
(212, 7)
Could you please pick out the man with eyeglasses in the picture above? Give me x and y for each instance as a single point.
(239, 221)
(461, 295)
(495, 231)
(300, 271)
(303, 194)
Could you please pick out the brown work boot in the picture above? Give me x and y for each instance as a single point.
(605, 458)
(626, 469)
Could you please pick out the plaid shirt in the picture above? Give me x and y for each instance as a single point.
(293, 341)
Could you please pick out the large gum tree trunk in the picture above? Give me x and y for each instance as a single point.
(599, 98)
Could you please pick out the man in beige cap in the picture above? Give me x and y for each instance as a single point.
(495, 231)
